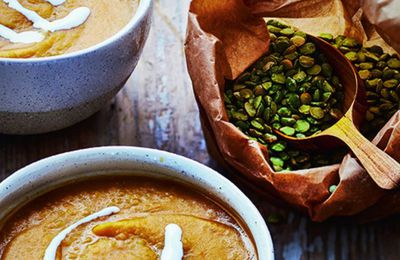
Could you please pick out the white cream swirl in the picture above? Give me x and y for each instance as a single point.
(74, 19)
(51, 250)
(56, 2)
(22, 37)
(173, 247)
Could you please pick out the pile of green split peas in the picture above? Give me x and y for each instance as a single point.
(380, 74)
(293, 89)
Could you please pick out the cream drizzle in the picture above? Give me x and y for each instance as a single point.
(22, 37)
(56, 2)
(74, 19)
(77, 17)
(173, 247)
(51, 250)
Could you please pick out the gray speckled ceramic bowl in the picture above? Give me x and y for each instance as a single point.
(40, 177)
(45, 94)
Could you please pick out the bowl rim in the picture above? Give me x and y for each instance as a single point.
(205, 177)
(139, 15)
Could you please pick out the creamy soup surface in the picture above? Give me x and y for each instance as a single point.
(106, 18)
(137, 231)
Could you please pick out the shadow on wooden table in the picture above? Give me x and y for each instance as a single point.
(295, 237)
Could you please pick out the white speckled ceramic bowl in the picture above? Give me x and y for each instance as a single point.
(45, 94)
(40, 177)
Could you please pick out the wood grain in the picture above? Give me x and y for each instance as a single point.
(157, 109)
(382, 168)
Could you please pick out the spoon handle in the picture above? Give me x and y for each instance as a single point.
(382, 168)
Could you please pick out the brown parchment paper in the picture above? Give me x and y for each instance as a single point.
(224, 37)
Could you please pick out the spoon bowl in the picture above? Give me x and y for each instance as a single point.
(382, 168)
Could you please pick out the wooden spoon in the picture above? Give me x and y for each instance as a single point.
(382, 168)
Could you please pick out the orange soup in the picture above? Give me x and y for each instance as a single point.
(59, 26)
(124, 218)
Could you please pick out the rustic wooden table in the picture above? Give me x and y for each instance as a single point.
(157, 109)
